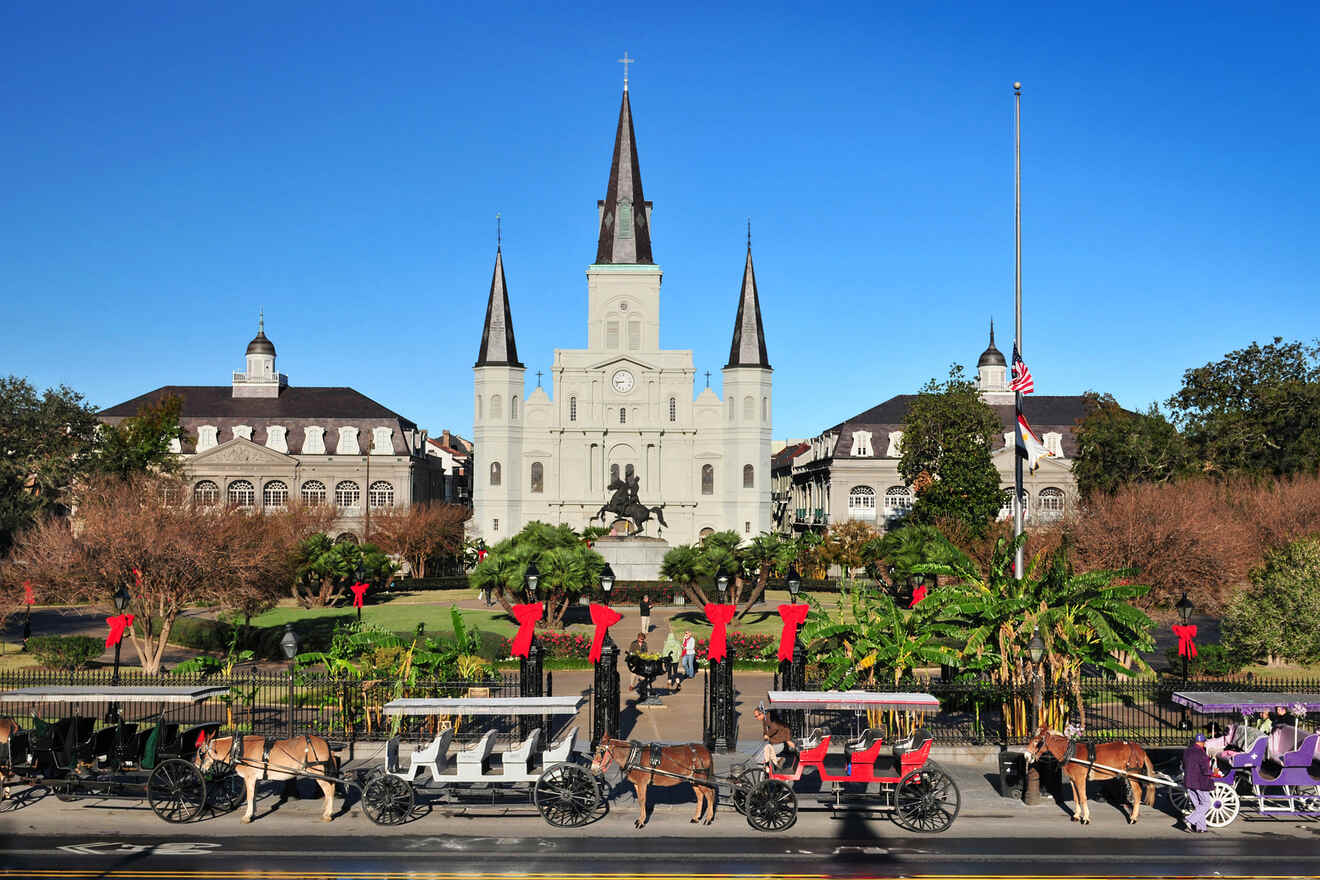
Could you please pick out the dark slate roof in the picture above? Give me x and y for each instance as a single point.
(218, 401)
(748, 348)
(784, 457)
(617, 243)
(498, 348)
(1045, 412)
(992, 357)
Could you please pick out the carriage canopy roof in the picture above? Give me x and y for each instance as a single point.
(858, 700)
(566, 705)
(1210, 702)
(106, 694)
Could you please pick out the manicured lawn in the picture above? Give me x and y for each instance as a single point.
(12, 658)
(397, 616)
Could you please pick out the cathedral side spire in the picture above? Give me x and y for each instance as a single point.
(748, 349)
(497, 344)
(625, 215)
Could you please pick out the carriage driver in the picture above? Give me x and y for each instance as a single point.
(775, 735)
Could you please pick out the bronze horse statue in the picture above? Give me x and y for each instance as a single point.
(1081, 762)
(625, 504)
(255, 758)
(666, 766)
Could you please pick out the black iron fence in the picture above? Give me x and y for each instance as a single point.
(275, 704)
(1141, 710)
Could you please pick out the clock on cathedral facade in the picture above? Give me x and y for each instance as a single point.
(622, 407)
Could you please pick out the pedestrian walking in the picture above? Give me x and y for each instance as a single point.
(673, 651)
(689, 654)
(644, 607)
(638, 646)
(1198, 778)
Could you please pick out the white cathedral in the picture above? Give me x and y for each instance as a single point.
(622, 408)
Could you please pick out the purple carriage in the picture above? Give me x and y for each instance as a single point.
(1273, 772)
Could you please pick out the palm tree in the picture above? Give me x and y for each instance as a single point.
(769, 553)
(683, 566)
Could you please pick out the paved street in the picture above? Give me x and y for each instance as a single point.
(992, 836)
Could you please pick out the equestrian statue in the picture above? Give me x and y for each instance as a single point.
(624, 503)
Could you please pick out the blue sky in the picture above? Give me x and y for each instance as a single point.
(171, 168)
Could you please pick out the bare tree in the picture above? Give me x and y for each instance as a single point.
(420, 532)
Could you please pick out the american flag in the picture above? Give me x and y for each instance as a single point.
(1021, 375)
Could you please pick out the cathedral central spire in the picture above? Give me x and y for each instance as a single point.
(748, 348)
(625, 215)
(497, 345)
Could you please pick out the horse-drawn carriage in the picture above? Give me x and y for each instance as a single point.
(564, 793)
(151, 757)
(1275, 772)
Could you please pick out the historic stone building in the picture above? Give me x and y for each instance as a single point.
(622, 407)
(260, 442)
(850, 471)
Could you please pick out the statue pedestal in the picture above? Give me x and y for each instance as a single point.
(634, 557)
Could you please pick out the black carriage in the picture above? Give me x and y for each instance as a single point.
(149, 757)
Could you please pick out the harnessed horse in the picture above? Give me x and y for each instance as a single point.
(9, 730)
(256, 758)
(1081, 762)
(665, 766)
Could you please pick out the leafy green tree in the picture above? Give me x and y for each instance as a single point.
(1255, 411)
(947, 437)
(1117, 447)
(684, 566)
(1273, 620)
(45, 442)
(768, 554)
(326, 569)
(899, 554)
(567, 567)
(142, 442)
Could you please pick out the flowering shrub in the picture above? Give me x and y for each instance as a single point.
(556, 644)
(745, 645)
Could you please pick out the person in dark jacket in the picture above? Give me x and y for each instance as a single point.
(1198, 778)
(774, 734)
(644, 607)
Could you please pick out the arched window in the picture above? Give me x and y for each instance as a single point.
(749, 477)
(347, 494)
(1051, 503)
(513, 408)
(614, 473)
(730, 409)
(274, 494)
(708, 479)
(898, 501)
(634, 335)
(673, 409)
(623, 415)
(347, 538)
(478, 406)
(242, 493)
(572, 409)
(611, 334)
(765, 409)
(749, 408)
(705, 533)
(538, 478)
(494, 473)
(313, 493)
(206, 493)
(380, 494)
(861, 502)
(496, 407)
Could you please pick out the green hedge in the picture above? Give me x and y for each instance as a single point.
(213, 636)
(65, 652)
(449, 582)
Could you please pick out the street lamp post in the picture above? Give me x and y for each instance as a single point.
(722, 583)
(358, 574)
(794, 583)
(1036, 651)
(121, 599)
(289, 646)
(1185, 609)
(606, 585)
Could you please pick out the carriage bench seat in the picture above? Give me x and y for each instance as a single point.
(432, 757)
(514, 761)
(560, 751)
(472, 761)
(811, 740)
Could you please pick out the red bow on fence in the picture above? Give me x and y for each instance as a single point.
(28, 598)
(118, 624)
(137, 577)
(527, 616)
(793, 617)
(918, 594)
(1185, 634)
(604, 617)
(720, 616)
(359, 590)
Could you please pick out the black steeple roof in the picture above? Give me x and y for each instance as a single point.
(625, 215)
(497, 345)
(748, 348)
(991, 357)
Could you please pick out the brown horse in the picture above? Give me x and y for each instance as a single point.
(255, 759)
(9, 729)
(1081, 763)
(665, 766)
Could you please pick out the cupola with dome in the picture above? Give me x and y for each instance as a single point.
(260, 379)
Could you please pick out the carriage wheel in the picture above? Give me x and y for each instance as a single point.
(1177, 794)
(1224, 806)
(176, 790)
(743, 783)
(566, 796)
(387, 800)
(66, 790)
(1307, 798)
(926, 800)
(771, 806)
(225, 789)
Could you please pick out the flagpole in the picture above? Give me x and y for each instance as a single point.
(1017, 315)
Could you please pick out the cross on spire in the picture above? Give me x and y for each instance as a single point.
(625, 61)
(749, 233)
(261, 320)
(499, 231)
(708, 378)
(538, 378)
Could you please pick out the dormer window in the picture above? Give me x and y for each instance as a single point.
(861, 444)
